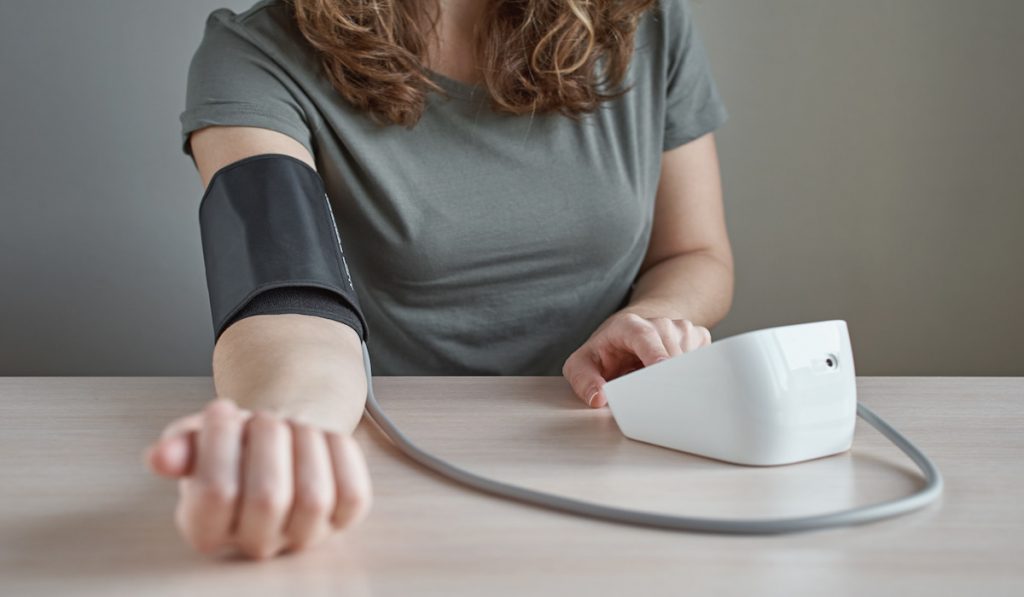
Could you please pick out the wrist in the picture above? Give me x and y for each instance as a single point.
(651, 307)
(330, 398)
(308, 369)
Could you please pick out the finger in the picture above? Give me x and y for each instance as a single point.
(181, 425)
(705, 335)
(352, 480)
(583, 372)
(211, 493)
(194, 421)
(172, 457)
(267, 486)
(639, 336)
(694, 336)
(172, 454)
(671, 335)
(313, 505)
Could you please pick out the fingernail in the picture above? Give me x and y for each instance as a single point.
(590, 401)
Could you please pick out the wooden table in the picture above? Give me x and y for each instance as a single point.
(81, 515)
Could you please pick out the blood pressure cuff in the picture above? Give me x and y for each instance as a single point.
(266, 223)
(306, 300)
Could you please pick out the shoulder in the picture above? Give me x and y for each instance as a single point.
(266, 32)
(673, 9)
(672, 19)
(267, 24)
(257, 14)
(668, 29)
(664, 22)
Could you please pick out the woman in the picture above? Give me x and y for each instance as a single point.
(524, 188)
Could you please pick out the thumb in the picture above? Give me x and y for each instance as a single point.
(172, 456)
(584, 376)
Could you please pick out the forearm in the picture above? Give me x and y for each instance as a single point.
(697, 286)
(300, 366)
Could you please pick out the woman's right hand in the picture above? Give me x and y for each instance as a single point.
(259, 482)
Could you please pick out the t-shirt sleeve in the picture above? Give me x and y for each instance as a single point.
(693, 106)
(233, 82)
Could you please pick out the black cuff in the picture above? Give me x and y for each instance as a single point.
(306, 300)
(266, 223)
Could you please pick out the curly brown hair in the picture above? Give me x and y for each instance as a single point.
(536, 55)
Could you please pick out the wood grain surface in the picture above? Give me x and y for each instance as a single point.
(81, 515)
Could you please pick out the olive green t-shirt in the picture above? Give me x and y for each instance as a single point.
(479, 243)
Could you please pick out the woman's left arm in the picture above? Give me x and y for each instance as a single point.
(688, 270)
(685, 283)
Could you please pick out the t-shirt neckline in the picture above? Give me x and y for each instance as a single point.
(460, 89)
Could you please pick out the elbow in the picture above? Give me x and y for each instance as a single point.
(726, 284)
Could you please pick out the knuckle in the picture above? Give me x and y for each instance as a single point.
(649, 327)
(312, 534)
(219, 408)
(268, 500)
(666, 327)
(649, 346)
(264, 552)
(650, 337)
(217, 424)
(634, 322)
(575, 359)
(215, 494)
(188, 422)
(300, 543)
(263, 417)
(314, 502)
(263, 420)
(193, 536)
(576, 373)
(300, 428)
(352, 505)
(257, 549)
(583, 387)
(632, 317)
(268, 425)
(351, 498)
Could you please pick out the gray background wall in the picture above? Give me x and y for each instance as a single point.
(872, 169)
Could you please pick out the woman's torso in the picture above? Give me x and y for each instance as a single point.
(481, 243)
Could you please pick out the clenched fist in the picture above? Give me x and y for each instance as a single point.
(258, 482)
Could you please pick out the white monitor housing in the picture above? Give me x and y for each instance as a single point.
(767, 397)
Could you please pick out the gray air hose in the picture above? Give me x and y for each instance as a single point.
(859, 515)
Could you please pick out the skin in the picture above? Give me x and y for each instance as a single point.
(269, 465)
(685, 283)
(453, 55)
